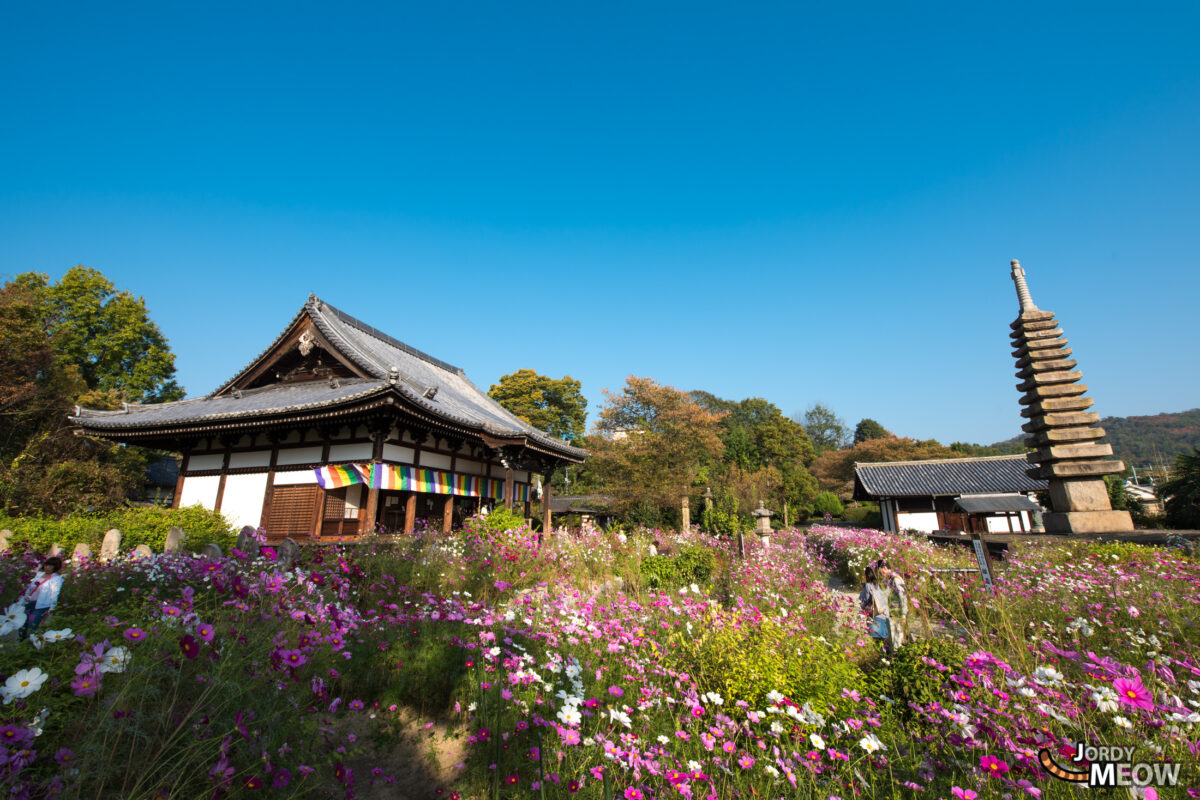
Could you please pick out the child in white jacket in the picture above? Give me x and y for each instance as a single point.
(41, 596)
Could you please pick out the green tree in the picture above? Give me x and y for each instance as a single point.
(1182, 493)
(654, 443)
(554, 406)
(106, 335)
(869, 429)
(828, 502)
(76, 341)
(825, 429)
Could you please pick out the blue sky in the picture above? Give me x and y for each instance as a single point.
(803, 202)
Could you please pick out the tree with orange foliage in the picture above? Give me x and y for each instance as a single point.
(653, 444)
(834, 470)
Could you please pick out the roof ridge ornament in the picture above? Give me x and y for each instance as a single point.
(1023, 295)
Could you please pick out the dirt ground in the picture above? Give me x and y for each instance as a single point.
(421, 753)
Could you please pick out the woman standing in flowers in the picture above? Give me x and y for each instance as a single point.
(883, 597)
(41, 596)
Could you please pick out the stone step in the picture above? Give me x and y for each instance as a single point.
(1034, 325)
(1037, 356)
(1066, 419)
(1051, 436)
(1049, 365)
(1037, 393)
(1077, 469)
(1051, 404)
(1034, 336)
(1039, 344)
(1049, 378)
(1031, 316)
(1062, 452)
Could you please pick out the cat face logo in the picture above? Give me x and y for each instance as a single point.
(1110, 767)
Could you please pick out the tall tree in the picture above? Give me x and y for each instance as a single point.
(654, 443)
(834, 469)
(868, 428)
(54, 343)
(107, 335)
(557, 407)
(1181, 494)
(826, 429)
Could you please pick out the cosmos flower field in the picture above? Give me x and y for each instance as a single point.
(565, 670)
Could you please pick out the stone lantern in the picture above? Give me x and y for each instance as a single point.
(762, 524)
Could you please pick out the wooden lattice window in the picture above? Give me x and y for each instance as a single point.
(292, 512)
(335, 504)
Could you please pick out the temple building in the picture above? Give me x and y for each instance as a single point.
(985, 494)
(336, 430)
(1069, 451)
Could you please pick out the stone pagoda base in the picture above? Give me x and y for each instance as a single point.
(1081, 522)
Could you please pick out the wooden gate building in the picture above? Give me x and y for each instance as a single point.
(337, 429)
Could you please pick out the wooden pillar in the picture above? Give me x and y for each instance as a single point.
(547, 522)
(179, 481)
(372, 511)
(448, 514)
(508, 488)
(410, 513)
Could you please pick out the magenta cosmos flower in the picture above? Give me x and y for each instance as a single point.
(189, 646)
(1133, 694)
(135, 634)
(993, 766)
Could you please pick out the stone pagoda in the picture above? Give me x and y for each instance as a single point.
(1068, 447)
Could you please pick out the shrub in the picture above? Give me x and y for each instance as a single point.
(911, 680)
(748, 663)
(142, 525)
(692, 565)
(501, 519)
(659, 572)
(827, 502)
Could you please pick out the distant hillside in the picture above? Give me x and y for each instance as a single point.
(1147, 440)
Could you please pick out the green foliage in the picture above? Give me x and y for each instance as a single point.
(722, 518)
(826, 429)
(865, 515)
(827, 502)
(425, 670)
(144, 525)
(908, 679)
(1117, 497)
(869, 429)
(748, 663)
(500, 519)
(1182, 492)
(557, 407)
(691, 565)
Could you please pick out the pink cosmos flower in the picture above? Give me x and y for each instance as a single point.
(745, 762)
(634, 794)
(993, 766)
(205, 632)
(616, 691)
(963, 794)
(86, 685)
(135, 634)
(189, 646)
(1132, 693)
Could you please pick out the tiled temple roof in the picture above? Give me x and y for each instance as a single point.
(423, 381)
(945, 476)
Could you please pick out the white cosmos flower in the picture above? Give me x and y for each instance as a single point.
(570, 715)
(114, 660)
(1047, 676)
(1123, 723)
(23, 684)
(817, 741)
(57, 636)
(871, 743)
(774, 696)
(1105, 699)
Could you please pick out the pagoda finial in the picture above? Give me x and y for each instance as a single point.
(1026, 299)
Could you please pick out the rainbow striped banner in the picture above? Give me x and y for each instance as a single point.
(339, 476)
(384, 476)
(415, 479)
(520, 492)
(466, 485)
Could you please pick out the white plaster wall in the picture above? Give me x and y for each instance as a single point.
(302, 477)
(924, 521)
(435, 460)
(199, 490)
(349, 452)
(394, 452)
(497, 472)
(242, 500)
(467, 467)
(299, 455)
(520, 476)
(353, 500)
(206, 461)
(257, 458)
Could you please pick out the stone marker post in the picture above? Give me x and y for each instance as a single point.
(288, 550)
(246, 541)
(56, 549)
(687, 514)
(4, 537)
(174, 543)
(211, 551)
(110, 548)
(82, 552)
(142, 551)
